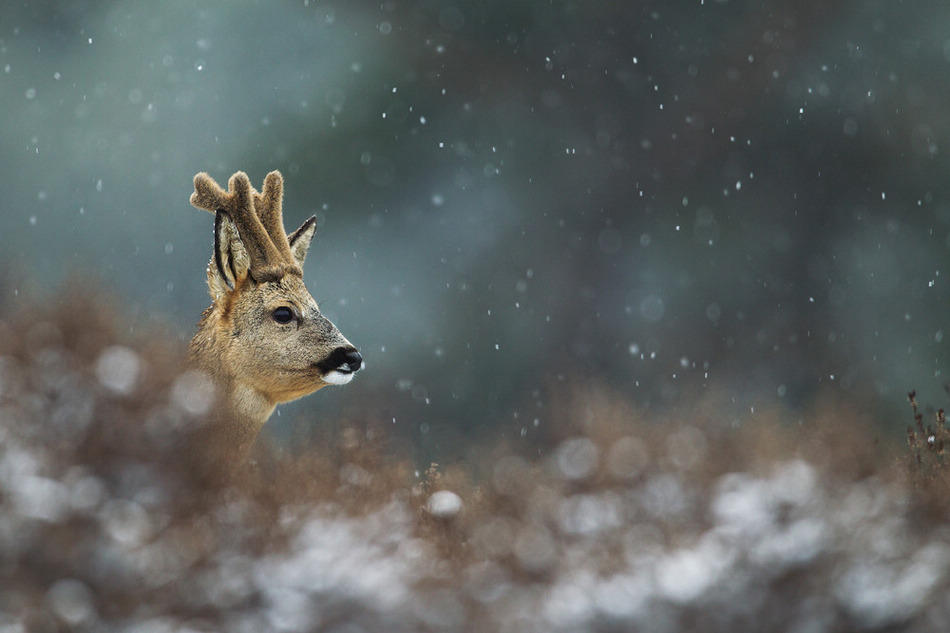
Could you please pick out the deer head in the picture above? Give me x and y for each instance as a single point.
(263, 339)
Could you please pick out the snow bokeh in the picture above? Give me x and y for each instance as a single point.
(618, 524)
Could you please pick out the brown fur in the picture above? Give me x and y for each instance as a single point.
(256, 360)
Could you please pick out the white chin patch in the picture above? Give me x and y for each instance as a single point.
(338, 377)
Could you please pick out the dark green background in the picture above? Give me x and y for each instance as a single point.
(514, 197)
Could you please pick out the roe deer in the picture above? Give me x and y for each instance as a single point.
(263, 340)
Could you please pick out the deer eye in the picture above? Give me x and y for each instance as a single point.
(283, 314)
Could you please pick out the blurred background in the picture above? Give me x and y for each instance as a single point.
(514, 197)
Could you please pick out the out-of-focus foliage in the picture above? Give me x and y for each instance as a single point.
(116, 515)
(514, 196)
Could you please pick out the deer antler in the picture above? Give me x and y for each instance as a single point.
(268, 206)
(257, 218)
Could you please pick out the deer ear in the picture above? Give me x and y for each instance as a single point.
(231, 263)
(300, 240)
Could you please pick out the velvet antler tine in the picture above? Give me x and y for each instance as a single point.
(268, 204)
(208, 194)
(260, 247)
(241, 192)
(273, 191)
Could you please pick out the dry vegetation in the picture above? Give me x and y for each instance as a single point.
(120, 511)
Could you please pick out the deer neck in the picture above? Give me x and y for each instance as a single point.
(248, 408)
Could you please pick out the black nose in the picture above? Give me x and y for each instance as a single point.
(345, 359)
(354, 359)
